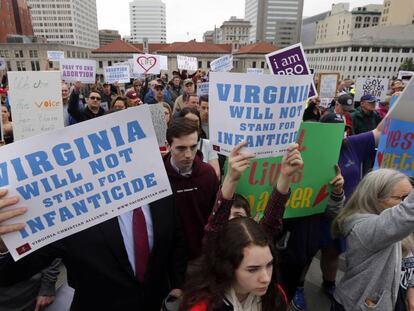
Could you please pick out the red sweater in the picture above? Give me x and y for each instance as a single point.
(194, 200)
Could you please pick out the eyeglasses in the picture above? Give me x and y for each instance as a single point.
(94, 98)
(399, 197)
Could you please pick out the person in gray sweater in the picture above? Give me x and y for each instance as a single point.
(377, 222)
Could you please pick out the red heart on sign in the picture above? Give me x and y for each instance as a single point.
(380, 155)
(146, 63)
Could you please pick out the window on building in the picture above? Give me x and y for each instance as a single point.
(365, 49)
(254, 64)
(8, 66)
(356, 58)
(21, 65)
(406, 50)
(109, 63)
(396, 50)
(385, 50)
(100, 64)
(200, 64)
(262, 65)
(18, 53)
(208, 64)
(50, 65)
(355, 49)
(367, 19)
(376, 49)
(33, 53)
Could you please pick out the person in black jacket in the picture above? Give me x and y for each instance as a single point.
(98, 260)
(92, 109)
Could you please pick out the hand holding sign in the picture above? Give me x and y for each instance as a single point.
(338, 181)
(9, 214)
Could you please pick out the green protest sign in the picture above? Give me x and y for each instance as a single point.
(320, 144)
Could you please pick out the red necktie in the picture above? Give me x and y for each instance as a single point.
(141, 246)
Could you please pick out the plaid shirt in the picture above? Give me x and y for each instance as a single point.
(271, 221)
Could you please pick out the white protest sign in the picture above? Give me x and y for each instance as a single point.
(36, 102)
(159, 122)
(117, 74)
(377, 87)
(163, 62)
(3, 64)
(264, 110)
(132, 73)
(224, 63)
(82, 175)
(146, 64)
(328, 84)
(405, 76)
(83, 70)
(55, 55)
(187, 63)
(202, 88)
(258, 71)
(403, 107)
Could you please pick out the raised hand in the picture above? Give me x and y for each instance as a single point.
(338, 181)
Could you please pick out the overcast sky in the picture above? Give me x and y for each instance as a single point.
(189, 19)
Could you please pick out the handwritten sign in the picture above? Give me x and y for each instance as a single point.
(146, 64)
(202, 88)
(80, 176)
(187, 63)
(36, 102)
(224, 63)
(55, 55)
(264, 110)
(310, 186)
(117, 74)
(258, 71)
(290, 61)
(327, 85)
(83, 70)
(403, 107)
(3, 64)
(377, 87)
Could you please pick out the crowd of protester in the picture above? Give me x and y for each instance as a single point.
(199, 249)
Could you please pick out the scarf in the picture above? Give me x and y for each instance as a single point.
(251, 303)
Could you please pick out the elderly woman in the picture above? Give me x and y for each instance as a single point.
(377, 221)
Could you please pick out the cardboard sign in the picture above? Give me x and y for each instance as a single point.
(55, 55)
(3, 64)
(146, 64)
(202, 88)
(264, 110)
(310, 187)
(36, 102)
(290, 61)
(118, 74)
(187, 63)
(82, 175)
(258, 71)
(224, 63)
(83, 70)
(328, 84)
(377, 87)
(403, 107)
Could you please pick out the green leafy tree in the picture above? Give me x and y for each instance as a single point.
(408, 65)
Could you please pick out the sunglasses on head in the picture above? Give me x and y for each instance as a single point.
(94, 98)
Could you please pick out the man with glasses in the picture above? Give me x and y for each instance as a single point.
(92, 109)
(194, 182)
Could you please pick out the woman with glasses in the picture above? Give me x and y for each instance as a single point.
(377, 221)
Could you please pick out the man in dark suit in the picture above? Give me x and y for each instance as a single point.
(100, 260)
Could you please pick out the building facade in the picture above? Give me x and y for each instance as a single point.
(397, 12)
(372, 52)
(106, 36)
(14, 19)
(235, 30)
(308, 29)
(148, 20)
(33, 56)
(69, 22)
(274, 21)
(340, 23)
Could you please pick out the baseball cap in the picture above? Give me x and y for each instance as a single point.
(131, 94)
(346, 101)
(158, 86)
(188, 81)
(368, 98)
